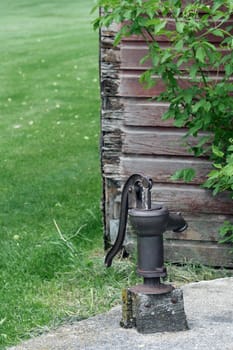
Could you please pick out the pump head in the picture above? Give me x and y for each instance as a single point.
(134, 183)
(149, 222)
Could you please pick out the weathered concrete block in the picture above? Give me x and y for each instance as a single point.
(150, 313)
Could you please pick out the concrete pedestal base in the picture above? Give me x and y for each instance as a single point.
(151, 313)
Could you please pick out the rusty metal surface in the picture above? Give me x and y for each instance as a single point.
(147, 289)
(153, 273)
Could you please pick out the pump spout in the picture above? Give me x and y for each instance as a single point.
(176, 223)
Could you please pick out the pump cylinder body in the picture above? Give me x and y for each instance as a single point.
(149, 226)
(150, 256)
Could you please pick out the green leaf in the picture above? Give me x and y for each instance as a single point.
(157, 24)
(217, 166)
(198, 105)
(180, 27)
(179, 123)
(229, 69)
(193, 71)
(226, 232)
(186, 174)
(179, 45)
(217, 32)
(201, 54)
(147, 79)
(217, 152)
(144, 59)
(214, 174)
(203, 140)
(167, 115)
(166, 56)
(188, 95)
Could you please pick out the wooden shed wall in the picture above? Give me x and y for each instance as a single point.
(134, 139)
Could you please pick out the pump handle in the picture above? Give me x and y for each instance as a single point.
(132, 181)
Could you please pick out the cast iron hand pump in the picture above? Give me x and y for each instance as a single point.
(149, 222)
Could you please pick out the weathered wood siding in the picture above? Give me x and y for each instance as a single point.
(134, 139)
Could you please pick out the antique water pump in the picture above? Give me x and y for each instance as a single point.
(149, 222)
(152, 306)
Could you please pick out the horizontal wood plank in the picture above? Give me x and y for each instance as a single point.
(159, 142)
(192, 199)
(201, 253)
(201, 228)
(161, 169)
(129, 85)
(131, 55)
(144, 112)
(135, 111)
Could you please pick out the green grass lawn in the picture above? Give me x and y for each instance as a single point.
(51, 255)
(49, 166)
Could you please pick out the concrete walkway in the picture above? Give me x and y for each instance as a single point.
(209, 310)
